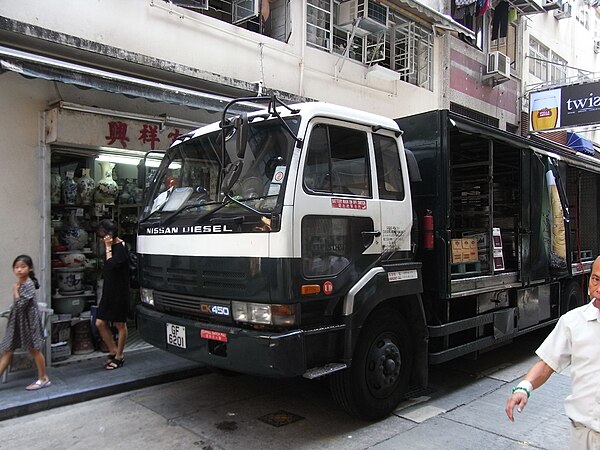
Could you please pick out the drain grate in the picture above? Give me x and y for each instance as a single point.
(280, 418)
(419, 392)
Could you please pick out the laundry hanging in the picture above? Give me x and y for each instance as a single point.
(500, 21)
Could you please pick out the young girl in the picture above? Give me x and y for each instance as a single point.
(24, 329)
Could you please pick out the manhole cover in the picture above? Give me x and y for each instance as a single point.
(280, 418)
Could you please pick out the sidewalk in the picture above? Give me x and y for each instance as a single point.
(86, 380)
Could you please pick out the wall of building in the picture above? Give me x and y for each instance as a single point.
(467, 87)
(22, 187)
(220, 51)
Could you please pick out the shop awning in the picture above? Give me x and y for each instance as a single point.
(435, 17)
(37, 66)
(577, 142)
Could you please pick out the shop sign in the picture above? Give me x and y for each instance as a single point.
(65, 127)
(565, 107)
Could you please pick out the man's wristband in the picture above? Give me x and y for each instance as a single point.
(524, 386)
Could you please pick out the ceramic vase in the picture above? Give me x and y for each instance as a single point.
(72, 235)
(106, 188)
(55, 186)
(69, 280)
(85, 187)
(69, 189)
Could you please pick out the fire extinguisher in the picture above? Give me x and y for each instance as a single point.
(428, 230)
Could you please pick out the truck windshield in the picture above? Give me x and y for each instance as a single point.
(188, 187)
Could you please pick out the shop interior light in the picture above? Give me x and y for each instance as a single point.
(130, 160)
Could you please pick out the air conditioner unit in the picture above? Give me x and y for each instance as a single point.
(364, 16)
(549, 5)
(194, 5)
(497, 68)
(564, 12)
(597, 46)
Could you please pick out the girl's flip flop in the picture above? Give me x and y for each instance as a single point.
(39, 384)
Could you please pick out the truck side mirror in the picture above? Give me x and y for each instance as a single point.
(241, 125)
(141, 173)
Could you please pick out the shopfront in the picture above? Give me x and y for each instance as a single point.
(70, 159)
(94, 157)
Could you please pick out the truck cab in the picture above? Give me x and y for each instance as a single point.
(278, 244)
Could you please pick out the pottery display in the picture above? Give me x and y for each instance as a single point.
(85, 187)
(69, 189)
(73, 259)
(72, 235)
(68, 305)
(69, 280)
(55, 186)
(107, 188)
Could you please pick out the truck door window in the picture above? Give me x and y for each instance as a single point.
(337, 162)
(389, 170)
(330, 244)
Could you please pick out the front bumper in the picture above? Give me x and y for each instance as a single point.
(246, 351)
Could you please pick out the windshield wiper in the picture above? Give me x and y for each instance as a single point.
(248, 207)
(182, 208)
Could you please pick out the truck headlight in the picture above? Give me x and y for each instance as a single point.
(147, 296)
(264, 314)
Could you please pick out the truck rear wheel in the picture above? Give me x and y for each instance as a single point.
(571, 296)
(378, 378)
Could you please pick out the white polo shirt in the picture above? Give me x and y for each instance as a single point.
(575, 341)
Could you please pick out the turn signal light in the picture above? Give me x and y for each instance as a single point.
(308, 289)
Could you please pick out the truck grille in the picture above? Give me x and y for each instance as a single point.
(188, 306)
(196, 279)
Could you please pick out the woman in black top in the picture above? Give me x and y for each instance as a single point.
(114, 304)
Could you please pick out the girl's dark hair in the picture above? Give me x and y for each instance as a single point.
(108, 226)
(29, 263)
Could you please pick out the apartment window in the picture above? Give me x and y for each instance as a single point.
(583, 16)
(538, 59)
(558, 71)
(405, 47)
(507, 45)
(269, 18)
(318, 23)
(411, 52)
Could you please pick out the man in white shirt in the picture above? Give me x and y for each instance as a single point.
(574, 342)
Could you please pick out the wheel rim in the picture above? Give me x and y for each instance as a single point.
(384, 364)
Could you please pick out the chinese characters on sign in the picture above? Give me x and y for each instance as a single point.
(347, 203)
(148, 134)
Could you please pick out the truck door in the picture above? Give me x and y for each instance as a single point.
(336, 219)
(395, 201)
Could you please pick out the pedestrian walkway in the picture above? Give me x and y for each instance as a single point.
(87, 379)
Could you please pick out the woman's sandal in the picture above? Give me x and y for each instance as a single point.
(39, 384)
(114, 363)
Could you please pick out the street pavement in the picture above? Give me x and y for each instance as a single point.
(463, 409)
(86, 380)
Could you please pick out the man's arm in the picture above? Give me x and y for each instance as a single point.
(537, 375)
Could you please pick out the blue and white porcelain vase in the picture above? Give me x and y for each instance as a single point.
(69, 189)
(107, 188)
(55, 186)
(72, 235)
(85, 187)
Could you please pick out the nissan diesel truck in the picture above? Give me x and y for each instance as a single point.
(306, 240)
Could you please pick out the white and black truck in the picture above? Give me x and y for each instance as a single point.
(306, 240)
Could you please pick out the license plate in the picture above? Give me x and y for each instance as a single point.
(213, 335)
(176, 335)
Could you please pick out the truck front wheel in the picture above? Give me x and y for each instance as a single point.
(378, 378)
